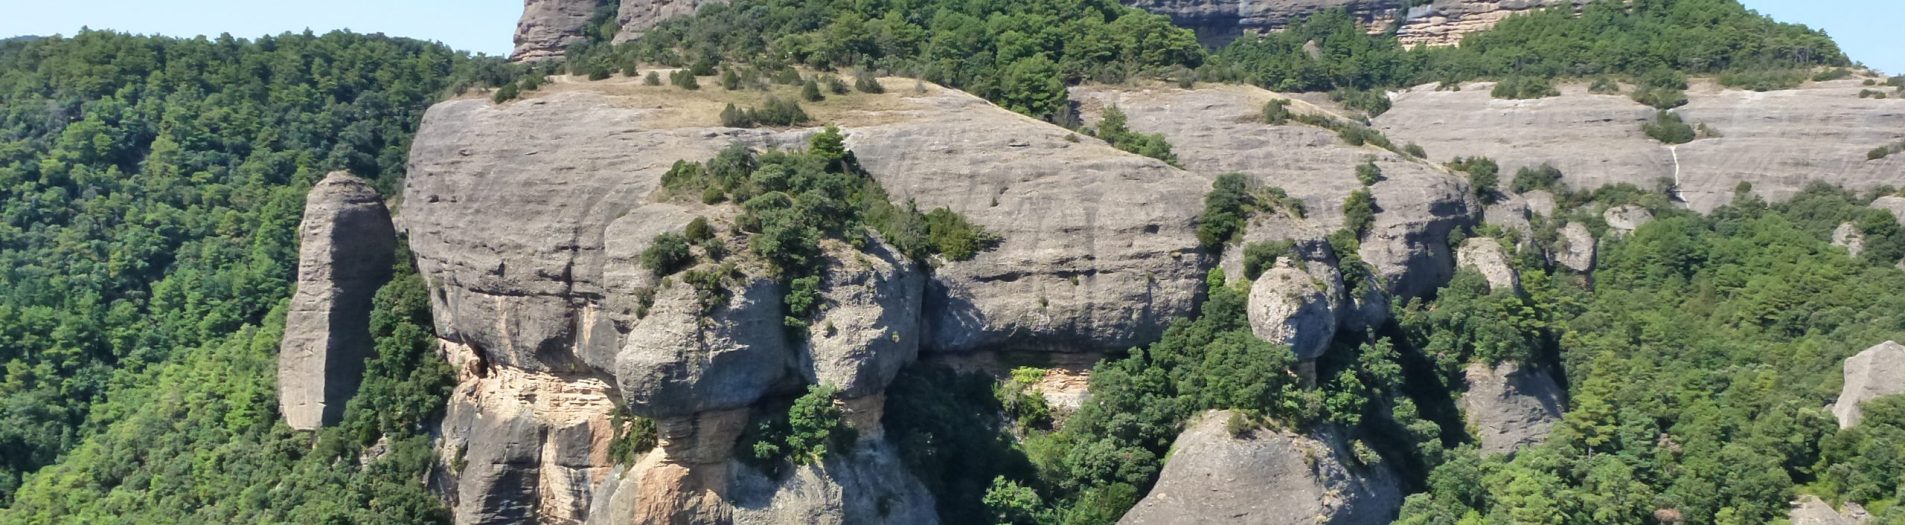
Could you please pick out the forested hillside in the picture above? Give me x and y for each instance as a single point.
(151, 189)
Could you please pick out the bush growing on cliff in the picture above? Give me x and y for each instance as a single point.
(666, 254)
(775, 111)
(1668, 128)
(1226, 208)
(1359, 211)
(1531, 178)
(1368, 173)
(1260, 256)
(1114, 129)
(1483, 175)
(1523, 87)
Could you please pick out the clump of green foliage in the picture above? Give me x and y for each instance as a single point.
(810, 428)
(1668, 128)
(1531, 178)
(1368, 173)
(1885, 151)
(1226, 209)
(1372, 102)
(775, 111)
(1114, 129)
(1276, 112)
(1763, 80)
(1260, 256)
(1524, 87)
(1484, 176)
(666, 254)
(1359, 211)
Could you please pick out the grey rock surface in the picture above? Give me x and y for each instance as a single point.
(1876, 372)
(1778, 140)
(1218, 130)
(638, 16)
(1575, 249)
(868, 321)
(868, 485)
(686, 357)
(548, 27)
(1486, 256)
(1288, 306)
(346, 244)
(1848, 236)
(1810, 510)
(1624, 219)
(1217, 22)
(1510, 407)
(1098, 250)
(1891, 203)
(1265, 477)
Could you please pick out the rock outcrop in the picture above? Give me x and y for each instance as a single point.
(1290, 307)
(1486, 256)
(1848, 236)
(1777, 140)
(1877, 372)
(1624, 219)
(1438, 23)
(1444, 22)
(345, 248)
(528, 220)
(1218, 130)
(1891, 203)
(638, 16)
(1575, 249)
(1510, 407)
(548, 27)
(1810, 510)
(1265, 477)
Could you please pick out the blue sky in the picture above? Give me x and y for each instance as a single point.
(1866, 29)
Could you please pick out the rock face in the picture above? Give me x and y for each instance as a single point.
(1442, 22)
(528, 220)
(549, 26)
(1622, 220)
(1576, 249)
(1848, 236)
(1876, 372)
(637, 16)
(1217, 130)
(1891, 203)
(1510, 407)
(1810, 510)
(1485, 256)
(345, 248)
(1288, 306)
(1265, 477)
(1778, 140)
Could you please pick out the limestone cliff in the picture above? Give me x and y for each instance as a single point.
(346, 245)
(1436, 23)
(548, 27)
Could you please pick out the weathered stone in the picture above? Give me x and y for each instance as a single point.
(866, 485)
(1575, 250)
(1624, 219)
(1779, 141)
(1219, 130)
(868, 321)
(1217, 22)
(1877, 372)
(1485, 256)
(686, 357)
(1265, 477)
(1445, 22)
(1848, 236)
(346, 245)
(1288, 306)
(1891, 203)
(1510, 407)
(1810, 510)
(548, 27)
(638, 16)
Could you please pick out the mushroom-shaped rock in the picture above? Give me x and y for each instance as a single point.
(1289, 306)
(687, 357)
(1626, 218)
(1876, 372)
(1265, 477)
(346, 244)
(1510, 407)
(868, 322)
(1575, 249)
(1485, 256)
(1848, 236)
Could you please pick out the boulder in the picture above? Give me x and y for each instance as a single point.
(548, 27)
(1876, 372)
(1265, 477)
(345, 248)
(1575, 250)
(1290, 307)
(867, 325)
(1486, 256)
(1848, 236)
(1219, 130)
(1510, 407)
(867, 485)
(686, 357)
(1624, 219)
(1891, 203)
